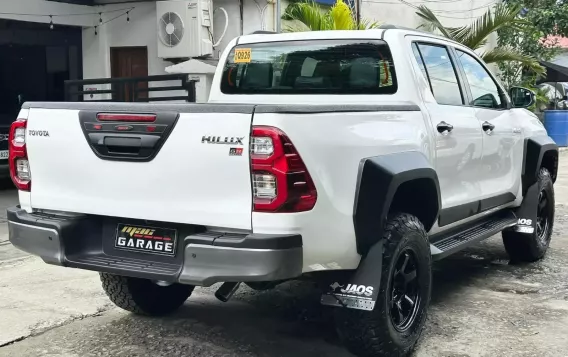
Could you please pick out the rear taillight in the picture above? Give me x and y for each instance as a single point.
(18, 157)
(281, 182)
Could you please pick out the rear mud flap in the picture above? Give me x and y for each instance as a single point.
(361, 289)
(527, 212)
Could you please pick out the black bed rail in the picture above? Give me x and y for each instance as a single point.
(131, 89)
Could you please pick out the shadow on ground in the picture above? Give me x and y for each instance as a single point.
(285, 321)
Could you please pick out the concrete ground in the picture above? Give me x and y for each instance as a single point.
(481, 306)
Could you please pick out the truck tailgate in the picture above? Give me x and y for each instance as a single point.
(190, 165)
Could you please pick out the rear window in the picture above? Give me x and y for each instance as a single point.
(310, 67)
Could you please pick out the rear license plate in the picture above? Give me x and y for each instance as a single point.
(3, 154)
(151, 240)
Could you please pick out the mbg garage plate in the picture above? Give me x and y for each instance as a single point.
(151, 240)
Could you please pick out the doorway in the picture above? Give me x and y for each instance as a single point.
(34, 64)
(129, 62)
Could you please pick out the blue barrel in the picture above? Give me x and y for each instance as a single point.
(556, 124)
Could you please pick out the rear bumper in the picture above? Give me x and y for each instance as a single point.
(203, 259)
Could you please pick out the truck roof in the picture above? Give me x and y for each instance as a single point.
(268, 36)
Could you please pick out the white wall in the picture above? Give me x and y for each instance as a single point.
(252, 18)
(451, 13)
(142, 31)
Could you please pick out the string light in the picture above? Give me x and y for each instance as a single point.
(66, 15)
(125, 11)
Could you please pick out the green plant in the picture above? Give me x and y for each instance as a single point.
(544, 18)
(309, 16)
(476, 35)
(541, 97)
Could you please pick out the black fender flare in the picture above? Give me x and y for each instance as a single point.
(534, 151)
(378, 180)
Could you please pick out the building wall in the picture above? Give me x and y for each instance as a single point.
(141, 30)
(451, 13)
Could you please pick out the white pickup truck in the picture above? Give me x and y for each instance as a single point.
(353, 158)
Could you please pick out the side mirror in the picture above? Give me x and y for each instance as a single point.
(20, 100)
(521, 97)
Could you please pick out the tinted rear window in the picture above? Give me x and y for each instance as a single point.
(310, 67)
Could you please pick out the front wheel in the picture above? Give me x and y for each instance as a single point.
(395, 324)
(524, 247)
(144, 297)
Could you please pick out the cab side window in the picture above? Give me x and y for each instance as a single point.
(483, 89)
(437, 67)
(418, 58)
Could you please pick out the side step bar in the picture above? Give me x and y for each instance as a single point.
(446, 244)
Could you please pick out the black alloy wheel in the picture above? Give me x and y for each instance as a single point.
(543, 216)
(405, 291)
(393, 327)
(532, 246)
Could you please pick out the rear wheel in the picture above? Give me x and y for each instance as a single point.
(144, 297)
(523, 247)
(395, 324)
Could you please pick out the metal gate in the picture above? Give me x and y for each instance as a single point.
(131, 89)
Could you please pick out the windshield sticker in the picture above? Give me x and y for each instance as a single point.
(242, 55)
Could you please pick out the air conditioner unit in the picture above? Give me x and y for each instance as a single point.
(184, 28)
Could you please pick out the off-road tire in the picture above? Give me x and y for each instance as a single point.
(144, 297)
(373, 333)
(523, 247)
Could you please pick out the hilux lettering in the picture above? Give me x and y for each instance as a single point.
(228, 140)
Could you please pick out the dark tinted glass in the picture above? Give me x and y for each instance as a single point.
(310, 67)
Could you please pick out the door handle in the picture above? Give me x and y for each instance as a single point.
(131, 145)
(444, 128)
(487, 127)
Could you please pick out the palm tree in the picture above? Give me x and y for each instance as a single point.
(309, 16)
(476, 34)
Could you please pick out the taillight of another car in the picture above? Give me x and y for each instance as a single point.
(18, 156)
